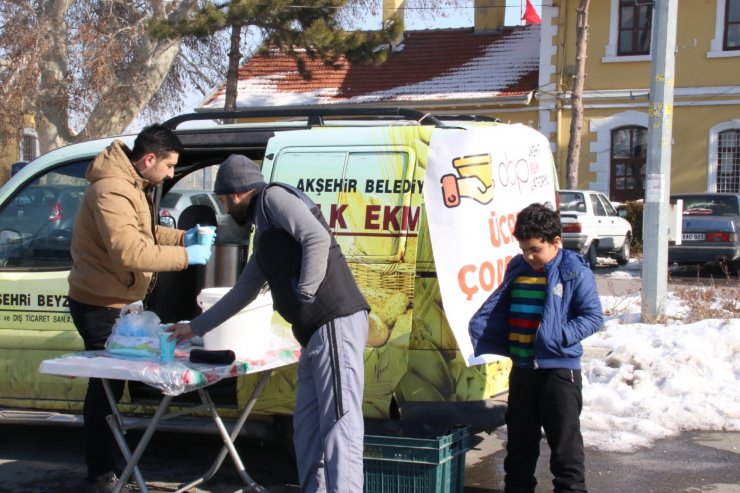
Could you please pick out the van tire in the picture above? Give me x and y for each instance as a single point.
(285, 434)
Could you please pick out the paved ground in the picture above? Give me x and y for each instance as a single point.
(690, 463)
(36, 459)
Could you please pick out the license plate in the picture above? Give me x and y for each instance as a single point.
(693, 236)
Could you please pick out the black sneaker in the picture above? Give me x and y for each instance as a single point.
(105, 484)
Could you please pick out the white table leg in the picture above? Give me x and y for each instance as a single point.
(115, 421)
(228, 439)
(133, 459)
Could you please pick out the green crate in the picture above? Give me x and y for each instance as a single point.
(416, 465)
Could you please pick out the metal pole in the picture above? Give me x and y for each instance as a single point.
(658, 176)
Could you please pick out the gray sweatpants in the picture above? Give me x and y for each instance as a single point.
(328, 429)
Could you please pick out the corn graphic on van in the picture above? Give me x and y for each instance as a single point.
(423, 212)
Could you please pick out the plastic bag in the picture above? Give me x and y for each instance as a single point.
(135, 333)
(170, 378)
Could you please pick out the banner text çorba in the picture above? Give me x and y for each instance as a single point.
(485, 176)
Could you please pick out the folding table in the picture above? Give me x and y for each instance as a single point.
(174, 378)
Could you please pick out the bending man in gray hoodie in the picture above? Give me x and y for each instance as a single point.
(313, 289)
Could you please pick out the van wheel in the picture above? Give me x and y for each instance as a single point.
(285, 434)
(591, 255)
(623, 255)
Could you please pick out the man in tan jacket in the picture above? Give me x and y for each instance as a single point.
(116, 249)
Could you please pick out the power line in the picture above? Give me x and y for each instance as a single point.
(472, 7)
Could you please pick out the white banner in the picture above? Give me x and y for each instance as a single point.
(476, 183)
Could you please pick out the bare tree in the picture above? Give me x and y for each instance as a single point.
(88, 68)
(579, 76)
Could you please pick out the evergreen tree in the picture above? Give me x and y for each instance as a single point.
(302, 29)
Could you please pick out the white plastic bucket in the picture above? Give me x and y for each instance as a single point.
(247, 333)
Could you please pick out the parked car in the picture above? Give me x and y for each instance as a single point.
(710, 226)
(176, 201)
(592, 227)
(40, 219)
(33, 203)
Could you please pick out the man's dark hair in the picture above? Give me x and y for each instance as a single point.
(157, 139)
(537, 221)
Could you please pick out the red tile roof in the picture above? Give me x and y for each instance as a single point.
(428, 66)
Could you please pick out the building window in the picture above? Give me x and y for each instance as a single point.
(29, 148)
(628, 161)
(726, 41)
(635, 21)
(728, 161)
(732, 25)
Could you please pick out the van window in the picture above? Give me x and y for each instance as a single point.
(36, 223)
(364, 196)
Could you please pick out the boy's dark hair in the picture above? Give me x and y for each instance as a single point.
(537, 221)
(157, 139)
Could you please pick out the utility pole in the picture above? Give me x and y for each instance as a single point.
(658, 180)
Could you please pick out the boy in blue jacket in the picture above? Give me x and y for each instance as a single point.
(545, 306)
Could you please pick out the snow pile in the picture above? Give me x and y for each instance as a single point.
(644, 382)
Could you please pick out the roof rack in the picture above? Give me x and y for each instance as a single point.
(469, 118)
(315, 116)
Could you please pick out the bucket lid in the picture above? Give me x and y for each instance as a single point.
(212, 295)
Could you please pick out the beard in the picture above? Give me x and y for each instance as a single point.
(243, 213)
(240, 216)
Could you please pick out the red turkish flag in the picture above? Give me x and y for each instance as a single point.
(530, 15)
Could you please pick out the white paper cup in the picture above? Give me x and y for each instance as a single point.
(205, 235)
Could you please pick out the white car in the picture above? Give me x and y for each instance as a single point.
(592, 227)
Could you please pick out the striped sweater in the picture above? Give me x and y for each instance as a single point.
(525, 312)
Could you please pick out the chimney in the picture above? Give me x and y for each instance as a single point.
(489, 14)
(29, 120)
(394, 9)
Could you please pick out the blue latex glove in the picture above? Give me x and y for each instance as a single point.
(191, 236)
(198, 254)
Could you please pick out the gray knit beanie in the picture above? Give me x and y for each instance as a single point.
(237, 174)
